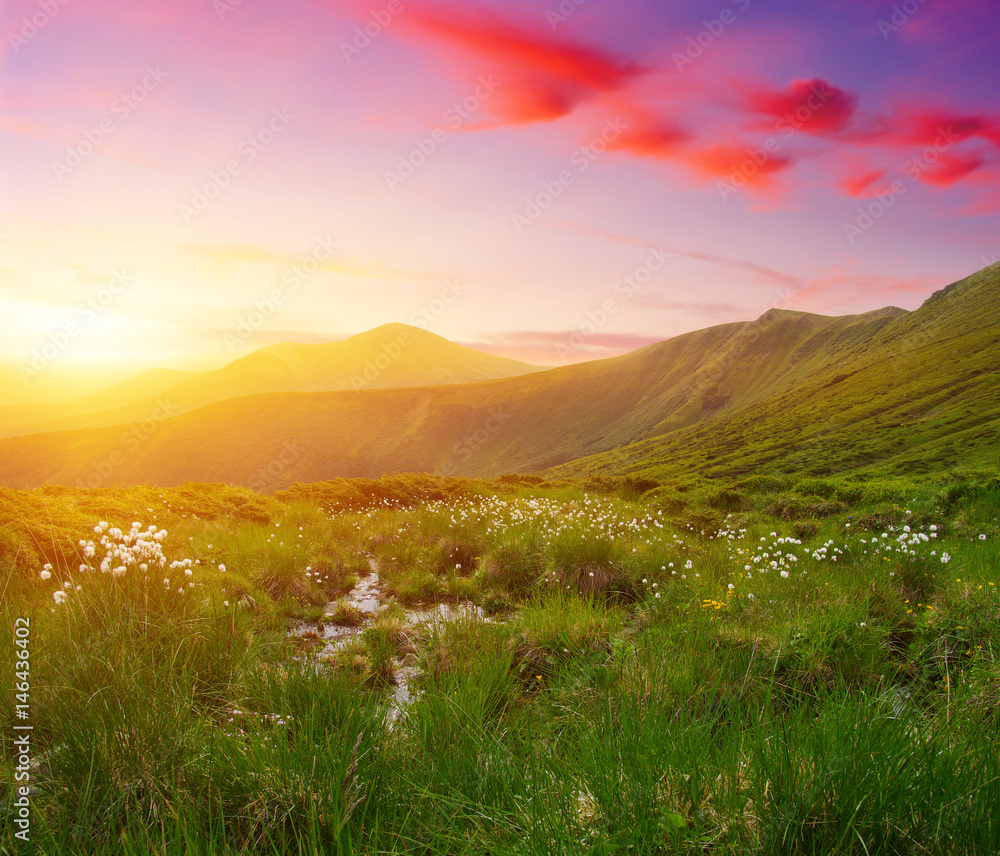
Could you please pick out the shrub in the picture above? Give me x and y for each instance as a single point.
(589, 566)
(515, 564)
(727, 499)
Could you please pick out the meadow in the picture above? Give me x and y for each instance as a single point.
(772, 665)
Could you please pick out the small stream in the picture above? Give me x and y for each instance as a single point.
(369, 599)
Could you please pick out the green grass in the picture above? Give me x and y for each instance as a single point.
(691, 699)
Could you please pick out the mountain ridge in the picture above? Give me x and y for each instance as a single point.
(424, 359)
(788, 391)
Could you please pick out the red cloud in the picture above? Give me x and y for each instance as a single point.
(951, 168)
(746, 161)
(856, 185)
(815, 106)
(931, 128)
(542, 78)
(940, 128)
(651, 136)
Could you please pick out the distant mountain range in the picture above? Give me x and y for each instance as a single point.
(393, 355)
(790, 392)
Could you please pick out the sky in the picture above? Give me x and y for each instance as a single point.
(184, 182)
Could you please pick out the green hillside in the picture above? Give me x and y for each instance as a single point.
(790, 391)
(923, 395)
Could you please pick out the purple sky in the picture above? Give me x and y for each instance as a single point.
(505, 174)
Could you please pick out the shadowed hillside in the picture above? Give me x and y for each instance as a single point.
(789, 391)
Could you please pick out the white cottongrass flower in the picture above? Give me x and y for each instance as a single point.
(945, 558)
(59, 596)
(45, 574)
(784, 574)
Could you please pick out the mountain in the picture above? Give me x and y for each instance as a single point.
(21, 419)
(923, 395)
(393, 355)
(791, 391)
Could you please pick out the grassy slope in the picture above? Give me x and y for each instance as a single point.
(788, 391)
(923, 395)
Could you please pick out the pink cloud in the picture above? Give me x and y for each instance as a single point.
(952, 168)
(815, 106)
(543, 77)
(721, 161)
(859, 183)
(562, 346)
(651, 136)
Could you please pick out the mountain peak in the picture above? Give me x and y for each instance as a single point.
(987, 278)
(393, 327)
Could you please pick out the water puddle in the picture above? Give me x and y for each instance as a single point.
(369, 599)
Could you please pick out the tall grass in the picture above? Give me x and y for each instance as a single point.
(679, 703)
